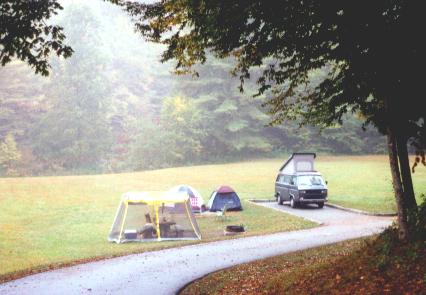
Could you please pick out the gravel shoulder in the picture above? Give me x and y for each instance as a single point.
(166, 271)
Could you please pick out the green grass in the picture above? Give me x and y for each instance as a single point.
(51, 221)
(46, 221)
(364, 182)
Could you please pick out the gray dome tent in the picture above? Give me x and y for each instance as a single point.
(224, 196)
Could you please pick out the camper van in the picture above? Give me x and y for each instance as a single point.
(298, 182)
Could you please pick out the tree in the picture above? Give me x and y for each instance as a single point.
(232, 121)
(371, 56)
(9, 154)
(75, 132)
(181, 120)
(26, 35)
(174, 138)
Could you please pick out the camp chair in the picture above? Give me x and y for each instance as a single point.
(221, 215)
(148, 230)
(177, 231)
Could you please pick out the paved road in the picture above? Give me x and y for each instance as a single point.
(166, 271)
(327, 216)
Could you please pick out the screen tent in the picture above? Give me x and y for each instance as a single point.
(154, 216)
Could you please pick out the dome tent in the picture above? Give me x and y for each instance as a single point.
(222, 196)
(154, 216)
(197, 202)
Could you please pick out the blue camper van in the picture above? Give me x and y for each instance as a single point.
(298, 183)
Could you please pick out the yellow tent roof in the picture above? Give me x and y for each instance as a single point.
(154, 197)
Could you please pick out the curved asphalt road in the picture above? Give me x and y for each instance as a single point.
(166, 271)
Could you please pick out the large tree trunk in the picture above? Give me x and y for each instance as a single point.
(407, 184)
(403, 226)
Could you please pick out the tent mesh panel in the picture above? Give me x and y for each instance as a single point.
(141, 222)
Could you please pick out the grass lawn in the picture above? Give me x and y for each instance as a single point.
(361, 266)
(49, 221)
(46, 222)
(365, 182)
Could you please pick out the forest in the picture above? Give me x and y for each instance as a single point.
(114, 107)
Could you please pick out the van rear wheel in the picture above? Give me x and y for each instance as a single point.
(320, 205)
(279, 200)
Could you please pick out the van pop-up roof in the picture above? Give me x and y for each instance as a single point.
(299, 162)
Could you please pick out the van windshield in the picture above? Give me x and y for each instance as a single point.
(310, 180)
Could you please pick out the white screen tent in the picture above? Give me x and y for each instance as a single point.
(154, 216)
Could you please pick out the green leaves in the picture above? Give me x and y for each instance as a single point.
(368, 54)
(24, 34)
(9, 154)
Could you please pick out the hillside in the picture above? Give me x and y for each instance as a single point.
(114, 107)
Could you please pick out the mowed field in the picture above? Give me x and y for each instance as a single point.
(50, 221)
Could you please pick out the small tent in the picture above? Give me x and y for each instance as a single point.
(224, 196)
(197, 202)
(154, 216)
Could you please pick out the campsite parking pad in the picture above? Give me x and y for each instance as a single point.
(167, 271)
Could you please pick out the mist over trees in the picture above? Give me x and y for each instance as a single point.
(114, 107)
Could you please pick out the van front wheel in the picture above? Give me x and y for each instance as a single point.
(293, 203)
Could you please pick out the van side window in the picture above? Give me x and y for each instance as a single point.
(281, 178)
(278, 178)
(286, 179)
(293, 180)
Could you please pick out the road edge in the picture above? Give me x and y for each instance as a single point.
(256, 202)
(382, 214)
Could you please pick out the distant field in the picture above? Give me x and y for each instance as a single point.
(46, 221)
(365, 182)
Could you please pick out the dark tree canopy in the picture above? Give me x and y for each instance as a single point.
(26, 35)
(372, 52)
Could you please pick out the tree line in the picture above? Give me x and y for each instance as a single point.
(103, 110)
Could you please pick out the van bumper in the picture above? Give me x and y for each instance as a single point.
(307, 201)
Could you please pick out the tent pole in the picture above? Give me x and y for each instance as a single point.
(158, 222)
(122, 223)
(189, 217)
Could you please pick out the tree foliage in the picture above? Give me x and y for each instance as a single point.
(233, 122)
(113, 107)
(366, 52)
(9, 155)
(74, 133)
(26, 35)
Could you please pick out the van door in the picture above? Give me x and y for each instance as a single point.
(286, 186)
(292, 188)
(279, 186)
